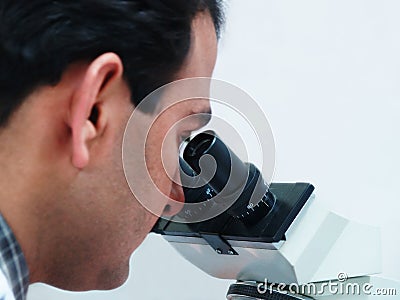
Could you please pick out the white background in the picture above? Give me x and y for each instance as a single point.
(327, 74)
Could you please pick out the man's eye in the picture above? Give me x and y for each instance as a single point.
(183, 137)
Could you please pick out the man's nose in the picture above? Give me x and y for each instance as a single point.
(175, 202)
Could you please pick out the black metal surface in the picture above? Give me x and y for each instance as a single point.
(290, 198)
(219, 244)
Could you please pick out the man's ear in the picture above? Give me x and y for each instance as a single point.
(85, 114)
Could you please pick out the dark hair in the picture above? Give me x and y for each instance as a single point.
(40, 38)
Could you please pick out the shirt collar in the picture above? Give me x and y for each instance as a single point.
(12, 262)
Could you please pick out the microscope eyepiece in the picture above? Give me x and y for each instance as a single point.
(228, 177)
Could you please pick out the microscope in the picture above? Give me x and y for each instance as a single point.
(275, 239)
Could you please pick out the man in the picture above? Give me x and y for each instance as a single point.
(71, 74)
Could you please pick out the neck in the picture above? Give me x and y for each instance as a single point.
(19, 192)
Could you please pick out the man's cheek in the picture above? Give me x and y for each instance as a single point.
(170, 156)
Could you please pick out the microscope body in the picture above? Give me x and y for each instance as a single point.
(320, 245)
(285, 246)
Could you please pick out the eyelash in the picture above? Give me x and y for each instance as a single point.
(184, 137)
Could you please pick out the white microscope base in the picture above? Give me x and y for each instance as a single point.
(319, 246)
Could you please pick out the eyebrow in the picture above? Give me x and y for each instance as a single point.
(204, 117)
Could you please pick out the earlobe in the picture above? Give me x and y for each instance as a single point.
(86, 98)
(80, 157)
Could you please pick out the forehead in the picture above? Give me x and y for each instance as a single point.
(199, 62)
(202, 54)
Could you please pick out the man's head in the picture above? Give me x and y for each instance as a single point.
(71, 73)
